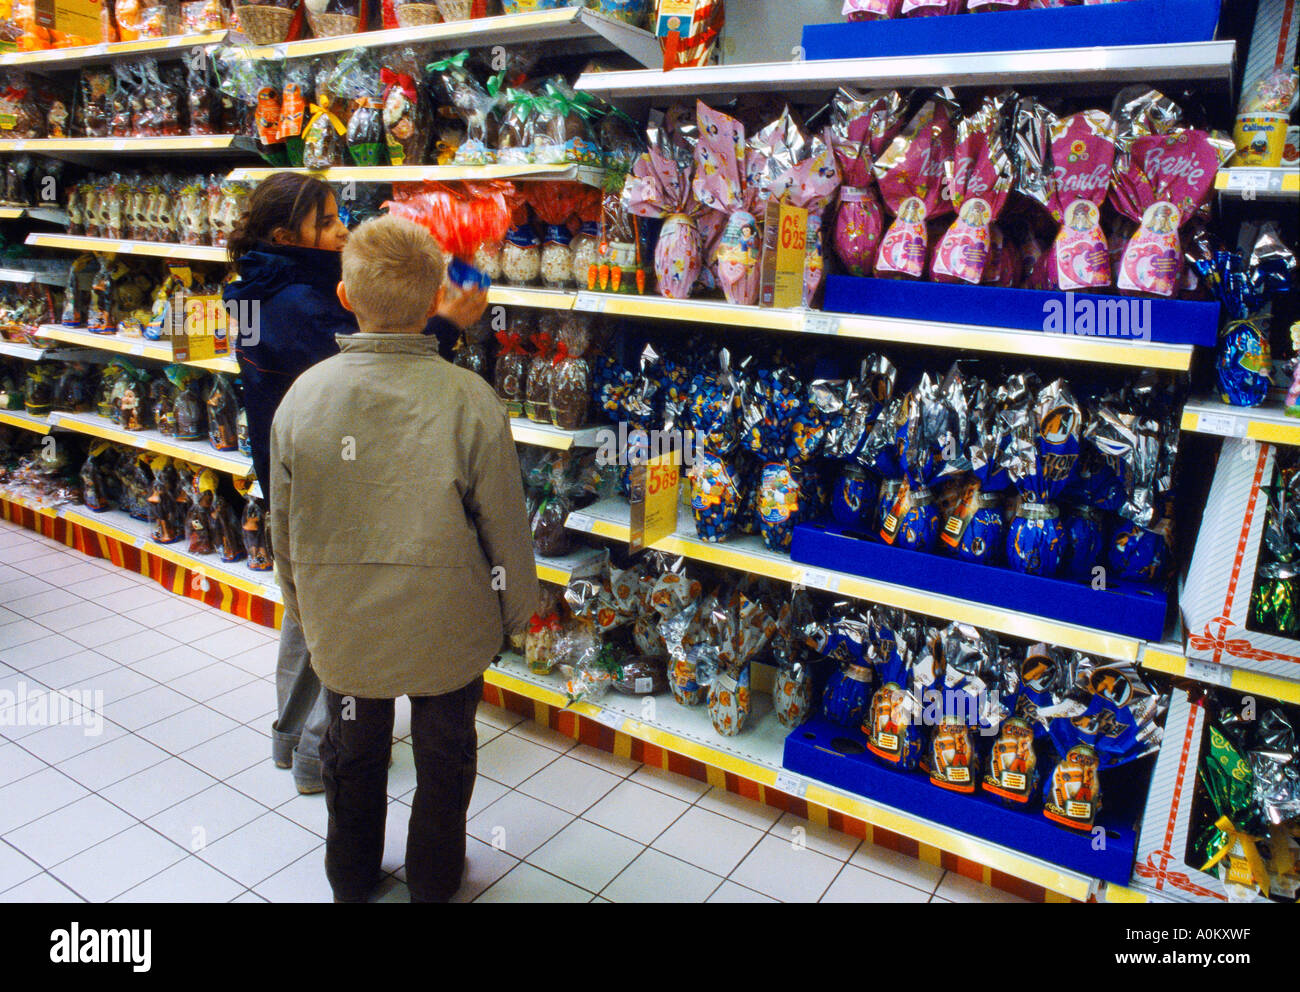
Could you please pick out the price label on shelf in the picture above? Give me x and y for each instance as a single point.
(270, 592)
(589, 303)
(814, 579)
(139, 542)
(580, 521)
(610, 718)
(119, 145)
(1223, 424)
(820, 323)
(1260, 180)
(281, 51)
(790, 784)
(1209, 671)
(137, 349)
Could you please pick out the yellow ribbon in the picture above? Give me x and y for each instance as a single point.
(319, 112)
(1232, 837)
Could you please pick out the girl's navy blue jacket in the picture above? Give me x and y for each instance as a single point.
(297, 315)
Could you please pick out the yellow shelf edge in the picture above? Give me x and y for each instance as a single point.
(117, 246)
(111, 50)
(34, 425)
(110, 432)
(994, 856)
(135, 347)
(1241, 679)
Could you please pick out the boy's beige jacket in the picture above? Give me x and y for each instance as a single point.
(397, 519)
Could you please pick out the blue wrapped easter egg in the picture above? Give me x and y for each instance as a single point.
(852, 501)
(1035, 539)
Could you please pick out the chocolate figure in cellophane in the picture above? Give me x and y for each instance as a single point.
(227, 529)
(893, 724)
(197, 521)
(257, 537)
(191, 420)
(223, 412)
(94, 485)
(166, 515)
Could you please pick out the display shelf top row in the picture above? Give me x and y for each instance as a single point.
(583, 29)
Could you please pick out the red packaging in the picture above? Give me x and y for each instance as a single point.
(1082, 156)
(1161, 181)
(910, 174)
(861, 128)
(460, 219)
(980, 177)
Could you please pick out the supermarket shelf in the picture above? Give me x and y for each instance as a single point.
(1168, 657)
(1208, 63)
(1005, 341)
(971, 337)
(71, 58)
(1259, 184)
(756, 754)
(443, 173)
(197, 452)
(178, 144)
(27, 352)
(610, 518)
(51, 214)
(32, 275)
(116, 246)
(137, 347)
(544, 27)
(584, 561)
(1268, 422)
(520, 296)
(24, 420)
(546, 436)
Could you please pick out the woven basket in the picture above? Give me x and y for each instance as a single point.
(264, 24)
(332, 25)
(456, 10)
(413, 15)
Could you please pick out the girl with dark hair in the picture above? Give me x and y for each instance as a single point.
(287, 251)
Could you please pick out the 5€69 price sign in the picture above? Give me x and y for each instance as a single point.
(654, 500)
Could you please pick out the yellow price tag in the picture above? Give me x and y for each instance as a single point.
(654, 501)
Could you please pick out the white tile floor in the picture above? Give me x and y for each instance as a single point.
(175, 798)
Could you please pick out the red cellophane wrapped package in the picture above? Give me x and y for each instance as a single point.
(460, 217)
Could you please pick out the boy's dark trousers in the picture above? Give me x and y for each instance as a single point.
(354, 766)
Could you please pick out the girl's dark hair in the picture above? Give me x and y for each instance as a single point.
(281, 201)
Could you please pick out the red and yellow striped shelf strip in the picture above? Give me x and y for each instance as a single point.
(170, 568)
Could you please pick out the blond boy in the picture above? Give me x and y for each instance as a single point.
(404, 551)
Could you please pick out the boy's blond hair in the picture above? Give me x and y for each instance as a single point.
(391, 270)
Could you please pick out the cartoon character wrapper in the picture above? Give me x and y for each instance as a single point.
(1072, 792)
(893, 726)
(870, 10)
(721, 184)
(1082, 158)
(683, 630)
(657, 187)
(738, 628)
(862, 126)
(980, 177)
(1013, 764)
(1163, 174)
(930, 8)
(910, 176)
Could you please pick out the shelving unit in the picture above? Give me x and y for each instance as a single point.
(611, 519)
(1262, 184)
(24, 420)
(32, 354)
(546, 436)
(755, 756)
(136, 347)
(443, 173)
(118, 246)
(72, 58)
(178, 144)
(1268, 422)
(51, 215)
(196, 452)
(33, 275)
(886, 330)
(1210, 64)
(578, 28)
(1168, 657)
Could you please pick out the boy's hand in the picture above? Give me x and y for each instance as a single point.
(463, 308)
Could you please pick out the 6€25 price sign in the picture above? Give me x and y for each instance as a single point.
(654, 500)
